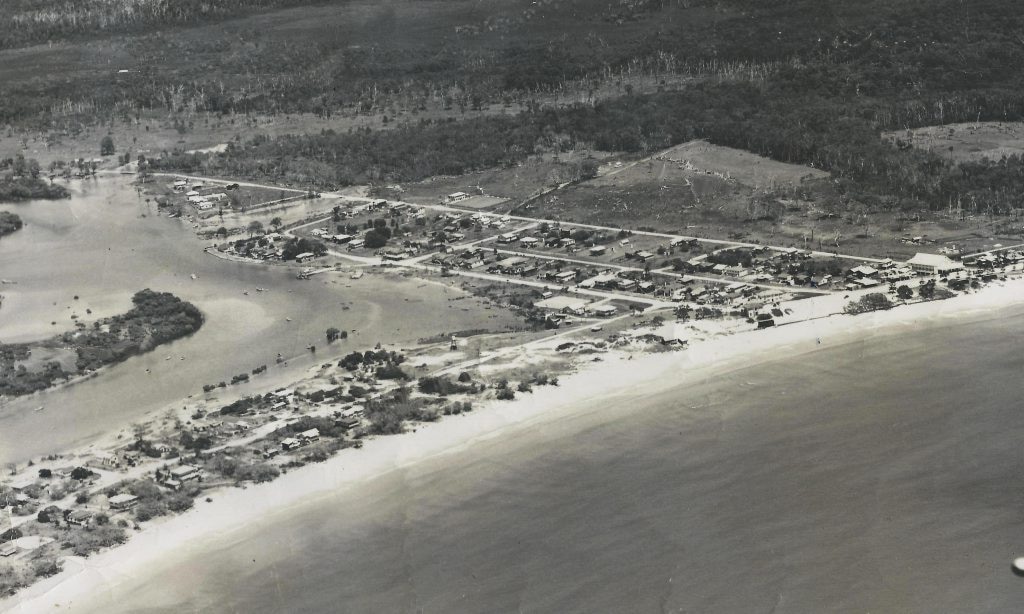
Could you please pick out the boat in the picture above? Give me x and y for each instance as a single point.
(168, 358)
(194, 276)
(288, 319)
(356, 275)
(40, 408)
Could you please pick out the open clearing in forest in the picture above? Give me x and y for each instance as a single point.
(963, 142)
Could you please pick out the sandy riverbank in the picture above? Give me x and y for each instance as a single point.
(162, 542)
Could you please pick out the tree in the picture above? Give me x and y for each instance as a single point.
(869, 302)
(332, 334)
(904, 292)
(276, 223)
(588, 169)
(375, 239)
(81, 473)
(107, 146)
(255, 227)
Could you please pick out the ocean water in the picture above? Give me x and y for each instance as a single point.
(882, 476)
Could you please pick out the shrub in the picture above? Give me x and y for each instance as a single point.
(257, 472)
(869, 302)
(46, 567)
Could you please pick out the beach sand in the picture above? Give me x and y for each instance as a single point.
(88, 585)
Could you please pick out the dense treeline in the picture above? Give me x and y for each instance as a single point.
(825, 79)
(9, 222)
(156, 318)
(780, 120)
(20, 180)
(909, 50)
(843, 74)
(25, 22)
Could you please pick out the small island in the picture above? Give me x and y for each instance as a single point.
(20, 179)
(9, 223)
(155, 319)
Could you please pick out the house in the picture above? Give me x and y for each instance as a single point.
(605, 311)
(290, 444)
(22, 484)
(626, 285)
(105, 459)
(456, 197)
(529, 241)
(510, 237)
(7, 550)
(123, 501)
(933, 264)
(603, 280)
(80, 518)
(864, 271)
(564, 304)
(185, 473)
(511, 264)
(598, 250)
(565, 276)
(643, 256)
(304, 256)
(309, 436)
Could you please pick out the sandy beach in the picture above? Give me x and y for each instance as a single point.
(230, 509)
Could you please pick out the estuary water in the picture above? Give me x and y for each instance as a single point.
(107, 242)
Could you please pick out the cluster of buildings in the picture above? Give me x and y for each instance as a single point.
(199, 196)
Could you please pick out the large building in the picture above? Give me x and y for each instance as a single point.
(933, 264)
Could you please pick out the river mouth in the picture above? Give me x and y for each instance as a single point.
(86, 256)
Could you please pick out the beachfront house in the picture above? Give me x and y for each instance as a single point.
(933, 264)
(123, 501)
(185, 473)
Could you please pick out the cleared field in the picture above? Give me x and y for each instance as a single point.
(963, 142)
(703, 190)
(513, 183)
(738, 165)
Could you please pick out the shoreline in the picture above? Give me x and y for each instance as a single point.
(160, 540)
